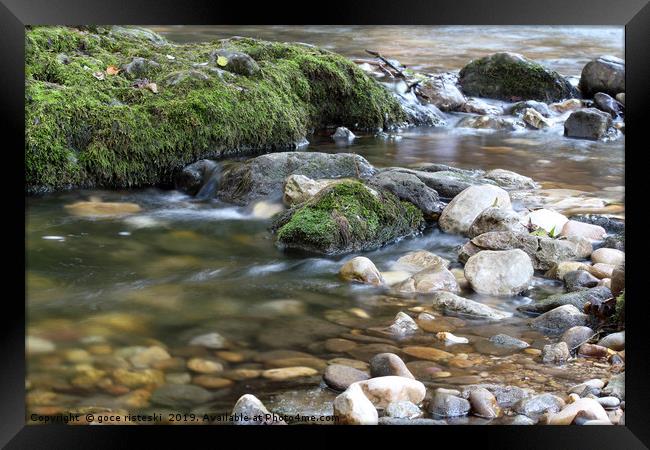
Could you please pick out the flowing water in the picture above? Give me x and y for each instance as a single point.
(97, 287)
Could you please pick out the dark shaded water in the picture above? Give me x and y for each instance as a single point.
(97, 287)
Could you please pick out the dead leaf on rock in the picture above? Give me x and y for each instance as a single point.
(153, 87)
(112, 70)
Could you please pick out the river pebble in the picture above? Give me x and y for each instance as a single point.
(389, 364)
(354, 408)
(340, 377)
(383, 390)
(287, 373)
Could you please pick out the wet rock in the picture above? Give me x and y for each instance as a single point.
(607, 104)
(408, 187)
(586, 407)
(102, 209)
(366, 352)
(547, 219)
(449, 302)
(337, 345)
(138, 378)
(593, 351)
(345, 217)
(419, 421)
(592, 386)
(354, 408)
(192, 177)
(265, 175)
(180, 395)
(581, 229)
(604, 74)
(609, 402)
(428, 281)
(461, 212)
(446, 405)
(519, 108)
(509, 76)
(611, 224)
(287, 373)
(427, 353)
(483, 403)
(403, 410)
(362, 270)
(496, 219)
(340, 377)
(202, 365)
(555, 353)
(389, 364)
(601, 270)
(506, 396)
(579, 280)
(421, 260)
(212, 382)
(559, 319)
(589, 123)
(608, 256)
(442, 93)
(248, 407)
(384, 390)
(510, 180)
(212, 341)
(478, 106)
(450, 339)
(539, 404)
(148, 357)
(488, 122)
(578, 299)
(266, 209)
(535, 119)
(447, 181)
(618, 280)
(560, 270)
(393, 277)
(503, 340)
(574, 337)
(236, 62)
(343, 133)
(299, 188)
(616, 386)
(615, 341)
(140, 68)
(403, 325)
(279, 308)
(506, 272)
(616, 241)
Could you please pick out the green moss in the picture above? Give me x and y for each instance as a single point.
(505, 77)
(347, 217)
(619, 315)
(85, 132)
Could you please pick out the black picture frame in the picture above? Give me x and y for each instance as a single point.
(633, 14)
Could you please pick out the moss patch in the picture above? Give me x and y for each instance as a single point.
(82, 131)
(348, 217)
(619, 315)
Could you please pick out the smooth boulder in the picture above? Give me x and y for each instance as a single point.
(589, 123)
(604, 74)
(361, 270)
(461, 212)
(506, 272)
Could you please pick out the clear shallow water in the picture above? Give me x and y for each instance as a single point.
(180, 268)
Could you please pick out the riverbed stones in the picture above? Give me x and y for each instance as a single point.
(96, 208)
(483, 403)
(576, 336)
(601, 270)
(510, 180)
(589, 123)
(449, 302)
(148, 357)
(459, 214)
(427, 353)
(585, 407)
(555, 353)
(615, 341)
(265, 175)
(421, 260)
(581, 229)
(361, 270)
(249, 410)
(403, 326)
(287, 373)
(213, 341)
(595, 295)
(520, 108)
(35, 345)
(609, 105)
(560, 270)
(511, 76)
(579, 280)
(506, 272)
(202, 365)
(408, 187)
(384, 390)
(444, 404)
(442, 93)
(403, 410)
(603, 74)
(608, 256)
(506, 395)
(509, 342)
(180, 395)
(496, 219)
(616, 386)
(559, 319)
(389, 364)
(488, 122)
(535, 120)
(428, 281)
(539, 404)
(338, 345)
(340, 377)
(478, 106)
(354, 408)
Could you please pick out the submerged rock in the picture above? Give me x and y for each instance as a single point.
(508, 76)
(102, 209)
(180, 395)
(362, 270)
(442, 93)
(428, 281)
(490, 123)
(559, 319)
(461, 212)
(506, 272)
(265, 175)
(250, 406)
(604, 74)
(447, 301)
(347, 217)
(510, 180)
(503, 340)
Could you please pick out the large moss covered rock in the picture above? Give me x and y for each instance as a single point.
(346, 217)
(512, 77)
(119, 107)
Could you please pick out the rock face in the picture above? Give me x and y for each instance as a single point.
(346, 217)
(559, 319)
(265, 175)
(496, 219)
(589, 123)
(604, 74)
(354, 408)
(507, 272)
(407, 186)
(461, 212)
(193, 176)
(459, 305)
(362, 270)
(508, 76)
(428, 281)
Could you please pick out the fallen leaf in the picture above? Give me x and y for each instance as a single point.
(153, 87)
(222, 61)
(112, 70)
(99, 75)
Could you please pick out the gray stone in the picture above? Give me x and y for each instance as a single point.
(559, 319)
(461, 212)
(449, 302)
(496, 219)
(510, 180)
(604, 74)
(236, 62)
(388, 364)
(616, 386)
(578, 299)
(506, 396)
(589, 123)
(446, 405)
(343, 133)
(609, 105)
(503, 340)
(506, 272)
(442, 93)
(615, 341)
(340, 377)
(420, 421)
(484, 403)
(488, 122)
(427, 281)
(249, 406)
(403, 410)
(210, 340)
(576, 336)
(407, 186)
(140, 67)
(180, 395)
(555, 353)
(579, 280)
(191, 178)
(519, 108)
(539, 404)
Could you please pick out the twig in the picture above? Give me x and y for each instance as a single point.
(400, 73)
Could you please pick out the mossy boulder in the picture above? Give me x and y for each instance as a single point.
(89, 124)
(347, 217)
(512, 77)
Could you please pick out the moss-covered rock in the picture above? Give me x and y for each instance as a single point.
(346, 217)
(510, 76)
(87, 126)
